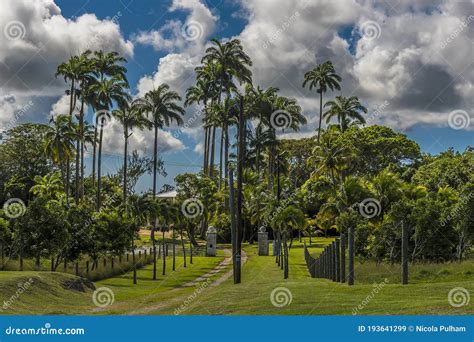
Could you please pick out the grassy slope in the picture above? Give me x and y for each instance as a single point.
(48, 296)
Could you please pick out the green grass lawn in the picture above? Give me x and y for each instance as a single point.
(427, 292)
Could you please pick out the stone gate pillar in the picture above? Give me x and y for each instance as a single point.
(262, 241)
(211, 241)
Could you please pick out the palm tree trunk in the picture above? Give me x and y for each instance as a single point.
(204, 166)
(71, 98)
(213, 141)
(80, 155)
(240, 167)
(78, 150)
(226, 166)
(320, 112)
(94, 155)
(68, 177)
(208, 149)
(125, 164)
(221, 150)
(155, 163)
(99, 162)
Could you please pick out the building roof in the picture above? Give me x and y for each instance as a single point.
(168, 194)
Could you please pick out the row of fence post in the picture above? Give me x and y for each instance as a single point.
(331, 263)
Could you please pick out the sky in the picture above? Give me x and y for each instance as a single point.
(409, 61)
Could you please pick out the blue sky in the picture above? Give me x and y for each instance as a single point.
(410, 62)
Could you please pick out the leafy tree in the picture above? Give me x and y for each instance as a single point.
(44, 230)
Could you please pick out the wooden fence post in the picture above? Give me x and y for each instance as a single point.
(87, 267)
(350, 276)
(334, 263)
(338, 260)
(404, 254)
(326, 264)
(190, 253)
(343, 258)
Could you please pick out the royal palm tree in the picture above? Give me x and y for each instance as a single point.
(107, 93)
(200, 94)
(347, 110)
(59, 143)
(130, 117)
(71, 71)
(322, 77)
(85, 78)
(161, 105)
(229, 61)
(104, 65)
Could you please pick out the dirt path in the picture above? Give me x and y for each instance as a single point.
(177, 301)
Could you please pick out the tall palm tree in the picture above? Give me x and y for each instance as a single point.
(85, 78)
(107, 93)
(200, 94)
(161, 105)
(130, 117)
(71, 71)
(322, 77)
(208, 74)
(59, 143)
(347, 110)
(230, 61)
(105, 65)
